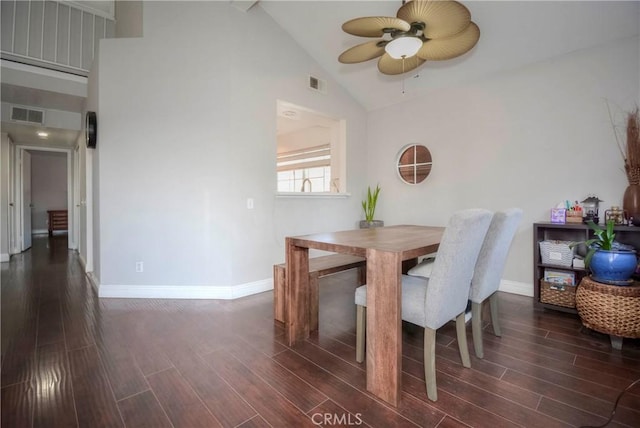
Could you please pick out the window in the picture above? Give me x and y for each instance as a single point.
(414, 163)
(310, 153)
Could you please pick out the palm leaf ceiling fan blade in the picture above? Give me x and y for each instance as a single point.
(442, 18)
(389, 65)
(450, 47)
(374, 26)
(362, 52)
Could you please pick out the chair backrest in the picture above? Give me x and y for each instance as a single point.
(493, 254)
(448, 289)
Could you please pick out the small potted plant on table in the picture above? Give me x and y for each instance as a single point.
(369, 208)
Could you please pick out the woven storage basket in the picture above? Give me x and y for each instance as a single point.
(558, 294)
(609, 309)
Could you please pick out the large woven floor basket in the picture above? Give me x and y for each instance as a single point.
(609, 309)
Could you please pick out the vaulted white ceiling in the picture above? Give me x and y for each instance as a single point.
(513, 34)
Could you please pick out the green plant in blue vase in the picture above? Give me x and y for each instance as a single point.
(603, 240)
(609, 261)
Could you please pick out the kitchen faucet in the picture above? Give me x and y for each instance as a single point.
(305, 181)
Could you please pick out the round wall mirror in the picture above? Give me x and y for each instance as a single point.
(414, 163)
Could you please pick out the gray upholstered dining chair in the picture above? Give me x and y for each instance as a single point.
(488, 272)
(432, 302)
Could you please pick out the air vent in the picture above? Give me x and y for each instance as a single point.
(23, 114)
(318, 85)
(290, 114)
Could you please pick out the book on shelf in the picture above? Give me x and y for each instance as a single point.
(559, 277)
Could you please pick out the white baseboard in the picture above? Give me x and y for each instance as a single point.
(229, 292)
(4, 257)
(39, 231)
(184, 291)
(515, 287)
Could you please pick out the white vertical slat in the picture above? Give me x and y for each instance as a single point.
(50, 31)
(87, 40)
(42, 31)
(7, 12)
(63, 23)
(69, 38)
(21, 28)
(81, 37)
(93, 45)
(75, 37)
(13, 33)
(57, 30)
(98, 33)
(35, 29)
(28, 28)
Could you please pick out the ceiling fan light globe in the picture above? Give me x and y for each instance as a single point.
(403, 47)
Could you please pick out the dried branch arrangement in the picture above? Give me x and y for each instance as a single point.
(630, 149)
(632, 161)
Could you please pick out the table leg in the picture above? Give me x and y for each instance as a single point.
(314, 301)
(297, 293)
(384, 325)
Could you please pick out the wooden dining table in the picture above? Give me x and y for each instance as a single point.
(385, 250)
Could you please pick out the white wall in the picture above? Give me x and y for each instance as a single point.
(4, 197)
(529, 138)
(187, 132)
(89, 171)
(48, 186)
(82, 215)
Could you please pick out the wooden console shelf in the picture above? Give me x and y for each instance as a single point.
(569, 232)
(57, 220)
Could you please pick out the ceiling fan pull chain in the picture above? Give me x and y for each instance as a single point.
(403, 76)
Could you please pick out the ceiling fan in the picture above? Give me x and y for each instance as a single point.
(424, 30)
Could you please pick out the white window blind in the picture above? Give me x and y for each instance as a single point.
(309, 157)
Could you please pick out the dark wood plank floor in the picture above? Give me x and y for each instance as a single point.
(70, 359)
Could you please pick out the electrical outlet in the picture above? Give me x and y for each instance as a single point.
(250, 203)
(139, 267)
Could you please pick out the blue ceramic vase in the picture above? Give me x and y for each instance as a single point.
(613, 267)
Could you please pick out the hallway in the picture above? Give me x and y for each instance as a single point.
(70, 359)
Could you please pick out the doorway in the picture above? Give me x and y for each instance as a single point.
(34, 199)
